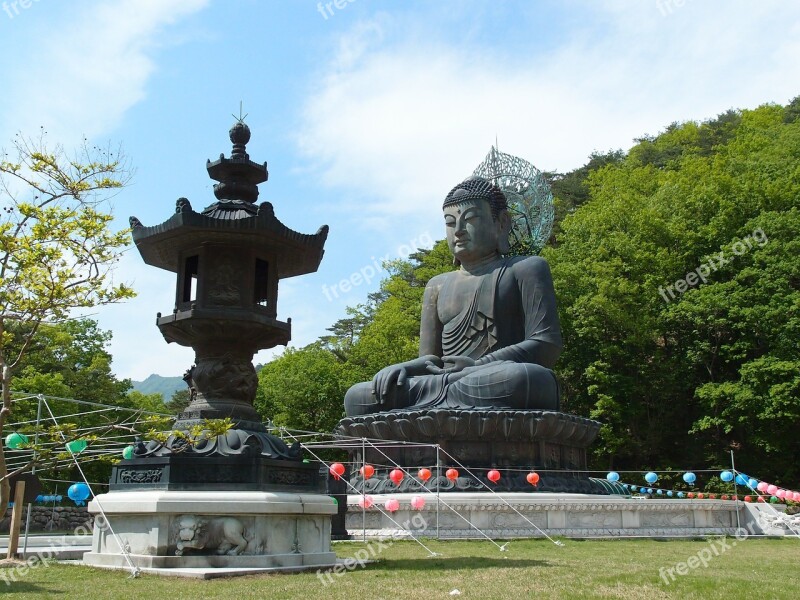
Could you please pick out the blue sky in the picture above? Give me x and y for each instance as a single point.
(367, 112)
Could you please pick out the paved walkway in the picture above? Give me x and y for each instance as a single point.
(61, 547)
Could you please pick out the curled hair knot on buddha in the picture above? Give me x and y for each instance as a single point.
(478, 188)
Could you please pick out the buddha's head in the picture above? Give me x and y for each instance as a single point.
(477, 221)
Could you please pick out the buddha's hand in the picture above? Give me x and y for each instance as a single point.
(456, 364)
(394, 376)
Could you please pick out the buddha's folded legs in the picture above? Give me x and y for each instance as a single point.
(504, 384)
(501, 384)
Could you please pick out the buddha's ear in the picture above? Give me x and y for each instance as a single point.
(504, 231)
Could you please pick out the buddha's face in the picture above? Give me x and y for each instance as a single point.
(472, 233)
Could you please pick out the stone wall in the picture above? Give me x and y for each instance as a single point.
(49, 518)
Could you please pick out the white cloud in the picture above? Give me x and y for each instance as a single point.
(84, 73)
(400, 121)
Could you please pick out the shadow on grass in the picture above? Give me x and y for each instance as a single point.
(456, 562)
(22, 587)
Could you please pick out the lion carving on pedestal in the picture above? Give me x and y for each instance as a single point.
(218, 535)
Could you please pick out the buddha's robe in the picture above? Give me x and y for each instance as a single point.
(506, 320)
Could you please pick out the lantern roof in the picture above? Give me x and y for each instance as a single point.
(233, 219)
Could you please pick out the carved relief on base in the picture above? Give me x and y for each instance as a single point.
(212, 535)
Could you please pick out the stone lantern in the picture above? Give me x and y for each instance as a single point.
(245, 498)
(228, 260)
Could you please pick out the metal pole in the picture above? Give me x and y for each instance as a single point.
(438, 475)
(33, 472)
(363, 490)
(735, 494)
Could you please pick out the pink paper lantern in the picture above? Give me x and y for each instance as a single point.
(365, 501)
(392, 504)
(762, 486)
(417, 502)
(771, 489)
(796, 496)
(780, 494)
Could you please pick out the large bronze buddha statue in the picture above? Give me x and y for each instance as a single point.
(489, 336)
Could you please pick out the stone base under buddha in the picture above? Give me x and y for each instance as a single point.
(516, 515)
(514, 441)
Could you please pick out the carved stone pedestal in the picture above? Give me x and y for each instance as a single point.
(517, 515)
(212, 530)
(514, 440)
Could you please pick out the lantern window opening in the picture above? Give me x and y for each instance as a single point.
(261, 283)
(190, 271)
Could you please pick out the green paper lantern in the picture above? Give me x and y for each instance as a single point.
(335, 502)
(15, 440)
(76, 446)
(306, 461)
(127, 452)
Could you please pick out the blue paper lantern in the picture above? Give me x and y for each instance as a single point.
(78, 493)
(613, 476)
(680, 494)
(651, 477)
(649, 490)
(669, 493)
(689, 477)
(752, 483)
(642, 490)
(726, 476)
(741, 479)
(660, 492)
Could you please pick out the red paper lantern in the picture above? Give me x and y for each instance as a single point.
(690, 495)
(451, 474)
(712, 496)
(761, 499)
(493, 476)
(700, 496)
(748, 499)
(724, 496)
(337, 470)
(367, 471)
(532, 478)
(396, 475)
(424, 474)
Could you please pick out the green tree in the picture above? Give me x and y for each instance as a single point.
(179, 401)
(681, 377)
(57, 249)
(299, 388)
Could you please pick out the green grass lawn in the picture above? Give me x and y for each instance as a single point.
(528, 569)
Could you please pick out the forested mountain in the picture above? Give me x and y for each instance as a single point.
(158, 384)
(677, 270)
